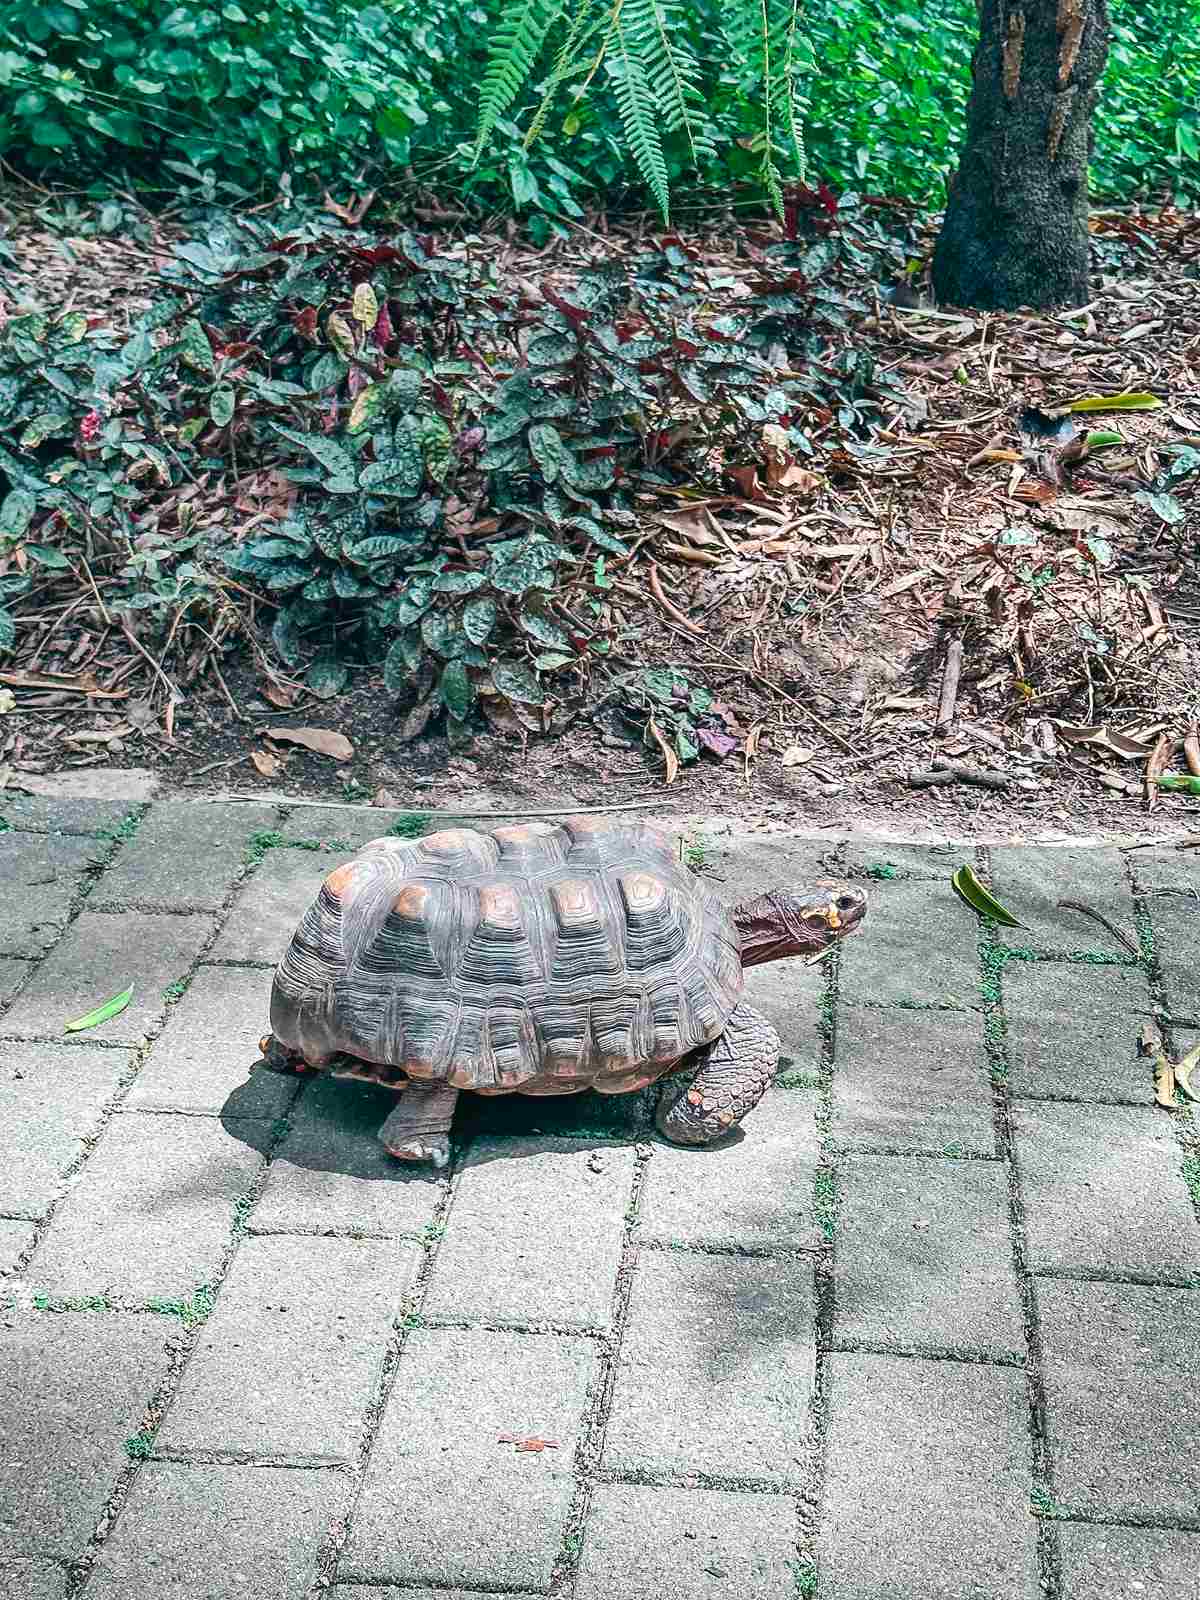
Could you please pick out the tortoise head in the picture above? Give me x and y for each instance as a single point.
(803, 921)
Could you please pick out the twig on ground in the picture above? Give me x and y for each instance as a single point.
(950, 676)
(1090, 911)
(454, 811)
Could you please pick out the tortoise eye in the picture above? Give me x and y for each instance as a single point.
(846, 902)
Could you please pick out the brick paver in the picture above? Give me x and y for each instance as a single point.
(16, 1236)
(1032, 882)
(1073, 1031)
(269, 905)
(912, 1081)
(920, 948)
(183, 856)
(100, 955)
(1122, 1414)
(1106, 1563)
(51, 1100)
(31, 1578)
(534, 1234)
(290, 1357)
(1104, 1187)
(928, 1482)
(445, 1501)
(173, 1539)
(43, 875)
(716, 1368)
(73, 1388)
(203, 1059)
(69, 815)
(331, 1174)
(755, 1189)
(796, 1363)
(676, 1544)
(12, 976)
(152, 1212)
(923, 1255)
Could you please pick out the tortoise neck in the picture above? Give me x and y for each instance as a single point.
(763, 930)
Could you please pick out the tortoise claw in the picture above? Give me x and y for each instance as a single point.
(434, 1148)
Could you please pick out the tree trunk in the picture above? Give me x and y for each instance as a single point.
(1015, 232)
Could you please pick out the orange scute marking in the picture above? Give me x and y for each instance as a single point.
(340, 879)
(573, 898)
(514, 833)
(642, 891)
(498, 906)
(448, 841)
(410, 902)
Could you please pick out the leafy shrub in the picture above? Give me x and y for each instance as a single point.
(338, 90)
(445, 467)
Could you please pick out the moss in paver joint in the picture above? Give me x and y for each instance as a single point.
(799, 1079)
(881, 871)
(806, 1579)
(177, 990)
(693, 852)
(1191, 1176)
(1043, 1504)
(139, 1445)
(125, 829)
(259, 843)
(190, 1312)
(74, 1302)
(410, 825)
(825, 1202)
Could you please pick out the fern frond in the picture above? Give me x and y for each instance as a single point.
(519, 37)
(672, 74)
(785, 91)
(569, 51)
(762, 35)
(635, 98)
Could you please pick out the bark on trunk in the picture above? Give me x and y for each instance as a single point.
(1015, 232)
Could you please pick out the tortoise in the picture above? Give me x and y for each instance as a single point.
(543, 960)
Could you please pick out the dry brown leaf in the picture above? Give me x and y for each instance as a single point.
(418, 719)
(385, 799)
(1164, 1083)
(686, 552)
(280, 694)
(799, 479)
(669, 756)
(1099, 734)
(533, 1446)
(1183, 1073)
(746, 479)
(796, 755)
(267, 763)
(695, 523)
(901, 584)
(323, 741)
(1156, 765)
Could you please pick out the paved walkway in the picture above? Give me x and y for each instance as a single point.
(929, 1328)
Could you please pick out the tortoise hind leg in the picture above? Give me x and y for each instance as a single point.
(418, 1129)
(731, 1076)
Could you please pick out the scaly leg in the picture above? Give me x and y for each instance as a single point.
(731, 1076)
(419, 1127)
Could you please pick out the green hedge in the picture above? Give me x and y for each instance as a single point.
(333, 90)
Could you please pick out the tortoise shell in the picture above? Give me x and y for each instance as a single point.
(535, 958)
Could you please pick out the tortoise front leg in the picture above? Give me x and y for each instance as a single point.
(731, 1076)
(419, 1127)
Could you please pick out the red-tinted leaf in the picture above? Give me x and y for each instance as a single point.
(719, 743)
